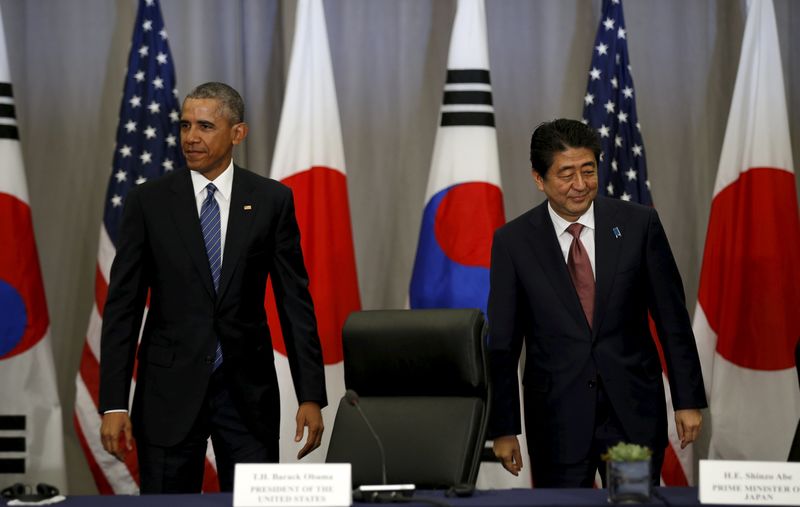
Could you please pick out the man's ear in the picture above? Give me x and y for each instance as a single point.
(240, 132)
(538, 179)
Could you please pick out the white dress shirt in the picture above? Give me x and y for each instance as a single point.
(565, 238)
(224, 184)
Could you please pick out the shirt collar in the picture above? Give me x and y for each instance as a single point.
(223, 182)
(587, 219)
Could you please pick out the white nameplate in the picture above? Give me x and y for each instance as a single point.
(276, 485)
(749, 482)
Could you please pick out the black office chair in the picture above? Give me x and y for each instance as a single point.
(422, 383)
(794, 452)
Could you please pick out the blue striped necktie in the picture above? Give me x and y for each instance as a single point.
(212, 235)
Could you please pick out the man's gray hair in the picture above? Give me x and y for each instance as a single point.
(230, 100)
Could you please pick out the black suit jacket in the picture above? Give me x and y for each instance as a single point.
(532, 299)
(161, 249)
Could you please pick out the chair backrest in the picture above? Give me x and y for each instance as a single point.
(422, 382)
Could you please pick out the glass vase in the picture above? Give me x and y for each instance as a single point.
(628, 481)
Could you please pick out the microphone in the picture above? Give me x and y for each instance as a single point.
(385, 492)
(353, 400)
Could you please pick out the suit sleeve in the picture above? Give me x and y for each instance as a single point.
(296, 309)
(123, 309)
(667, 305)
(504, 343)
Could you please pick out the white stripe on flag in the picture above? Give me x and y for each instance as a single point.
(93, 332)
(467, 87)
(454, 108)
(105, 254)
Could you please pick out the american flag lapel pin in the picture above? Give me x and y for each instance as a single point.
(617, 233)
(248, 207)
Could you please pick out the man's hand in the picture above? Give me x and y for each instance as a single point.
(506, 449)
(114, 427)
(309, 414)
(688, 423)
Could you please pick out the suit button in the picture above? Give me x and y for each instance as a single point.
(592, 384)
(209, 359)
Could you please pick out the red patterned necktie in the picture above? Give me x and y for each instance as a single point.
(580, 269)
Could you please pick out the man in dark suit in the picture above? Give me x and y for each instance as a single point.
(574, 279)
(202, 240)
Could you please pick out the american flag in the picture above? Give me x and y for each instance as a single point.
(148, 134)
(147, 146)
(609, 107)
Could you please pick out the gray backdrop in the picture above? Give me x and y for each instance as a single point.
(68, 61)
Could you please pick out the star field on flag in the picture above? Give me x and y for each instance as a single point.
(609, 107)
(148, 130)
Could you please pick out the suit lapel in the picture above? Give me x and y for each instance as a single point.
(239, 222)
(545, 246)
(187, 222)
(607, 247)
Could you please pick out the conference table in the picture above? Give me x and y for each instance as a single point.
(485, 498)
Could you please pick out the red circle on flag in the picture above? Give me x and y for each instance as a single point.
(323, 216)
(750, 280)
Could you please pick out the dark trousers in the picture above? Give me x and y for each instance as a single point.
(179, 469)
(608, 432)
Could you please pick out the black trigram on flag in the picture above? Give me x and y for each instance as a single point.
(12, 444)
(8, 116)
(468, 99)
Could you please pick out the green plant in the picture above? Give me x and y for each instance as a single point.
(627, 452)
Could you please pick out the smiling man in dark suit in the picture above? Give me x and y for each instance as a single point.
(203, 240)
(574, 279)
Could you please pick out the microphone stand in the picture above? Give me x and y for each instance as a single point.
(383, 492)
